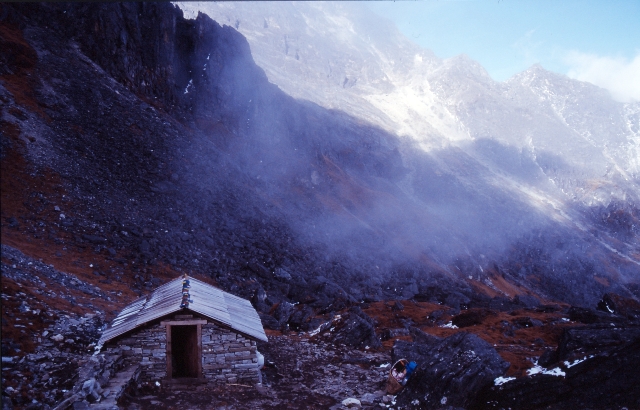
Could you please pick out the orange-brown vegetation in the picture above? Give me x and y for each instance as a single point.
(525, 343)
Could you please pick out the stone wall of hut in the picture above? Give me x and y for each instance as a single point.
(147, 346)
(227, 357)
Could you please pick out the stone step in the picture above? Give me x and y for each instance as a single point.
(114, 389)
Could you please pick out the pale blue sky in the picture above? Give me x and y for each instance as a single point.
(595, 41)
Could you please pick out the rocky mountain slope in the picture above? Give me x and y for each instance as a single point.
(138, 145)
(561, 155)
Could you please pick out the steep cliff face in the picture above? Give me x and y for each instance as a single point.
(180, 65)
(169, 148)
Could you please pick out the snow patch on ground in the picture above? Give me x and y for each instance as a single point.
(537, 369)
(502, 380)
(186, 90)
(575, 362)
(323, 326)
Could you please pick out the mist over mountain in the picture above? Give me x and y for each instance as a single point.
(361, 158)
(537, 164)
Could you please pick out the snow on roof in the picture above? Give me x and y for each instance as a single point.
(217, 305)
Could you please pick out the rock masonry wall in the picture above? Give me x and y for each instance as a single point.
(147, 346)
(227, 357)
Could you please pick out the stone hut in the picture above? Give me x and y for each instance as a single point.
(188, 331)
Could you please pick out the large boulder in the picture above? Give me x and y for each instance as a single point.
(419, 336)
(417, 351)
(451, 373)
(471, 317)
(527, 301)
(620, 305)
(608, 380)
(357, 330)
(283, 312)
(269, 322)
(589, 316)
(413, 352)
(300, 318)
(578, 342)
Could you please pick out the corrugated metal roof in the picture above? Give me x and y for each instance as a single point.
(209, 301)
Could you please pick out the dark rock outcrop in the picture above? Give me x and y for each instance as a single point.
(613, 303)
(356, 329)
(416, 352)
(579, 342)
(471, 317)
(283, 312)
(269, 322)
(527, 301)
(156, 53)
(589, 316)
(388, 334)
(451, 372)
(607, 381)
(419, 336)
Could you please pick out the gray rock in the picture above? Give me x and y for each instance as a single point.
(368, 398)
(457, 368)
(7, 404)
(620, 305)
(422, 337)
(282, 274)
(300, 318)
(162, 187)
(388, 334)
(94, 239)
(590, 316)
(471, 317)
(607, 381)
(91, 389)
(283, 312)
(80, 405)
(269, 322)
(456, 300)
(351, 402)
(578, 342)
(357, 330)
(145, 246)
(527, 301)
(417, 352)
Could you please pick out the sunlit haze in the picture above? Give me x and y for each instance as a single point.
(592, 41)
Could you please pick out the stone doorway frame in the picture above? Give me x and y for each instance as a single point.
(198, 323)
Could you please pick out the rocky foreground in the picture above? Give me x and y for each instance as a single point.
(547, 356)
